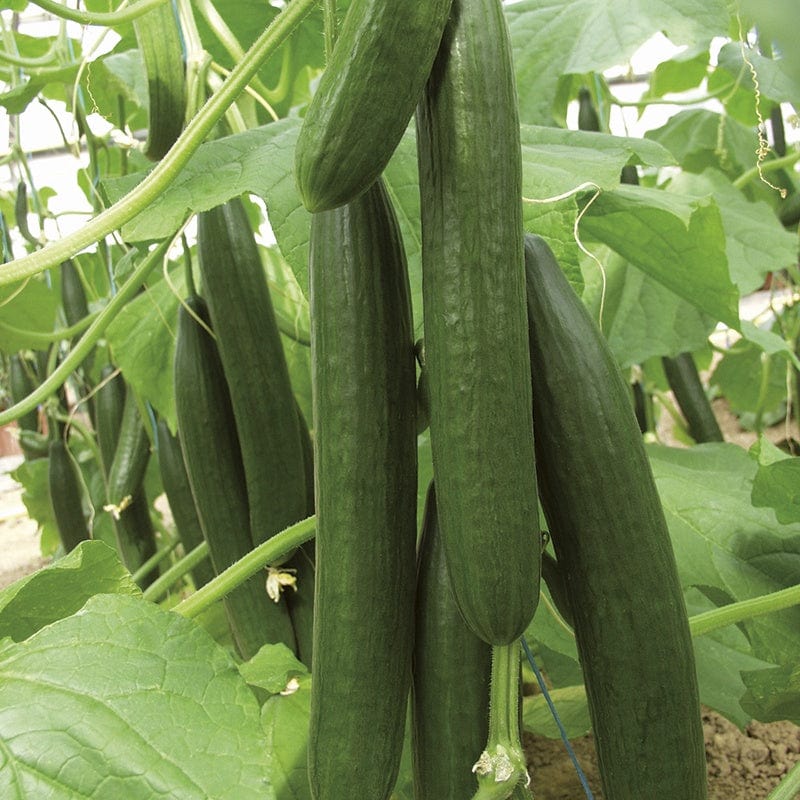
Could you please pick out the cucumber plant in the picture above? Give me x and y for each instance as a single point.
(519, 401)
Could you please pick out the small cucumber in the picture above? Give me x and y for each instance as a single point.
(450, 680)
(614, 551)
(684, 381)
(179, 495)
(131, 453)
(66, 496)
(21, 384)
(159, 38)
(476, 348)
(256, 372)
(365, 98)
(214, 465)
(365, 458)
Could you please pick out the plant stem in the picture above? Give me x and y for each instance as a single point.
(153, 562)
(168, 168)
(501, 766)
(109, 18)
(161, 585)
(271, 550)
(767, 166)
(84, 345)
(789, 787)
(42, 339)
(743, 610)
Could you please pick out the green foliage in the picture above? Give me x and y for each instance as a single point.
(88, 694)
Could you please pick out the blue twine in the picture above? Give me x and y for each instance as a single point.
(561, 729)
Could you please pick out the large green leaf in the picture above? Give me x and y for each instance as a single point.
(725, 546)
(142, 338)
(59, 590)
(554, 39)
(33, 308)
(125, 700)
(679, 241)
(641, 317)
(777, 483)
(285, 721)
(756, 242)
(700, 139)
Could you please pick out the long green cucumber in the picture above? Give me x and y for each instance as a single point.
(476, 348)
(301, 601)
(614, 551)
(684, 380)
(213, 463)
(159, 38)
(109, 400)
(366, 97)
(119, 437)
(450, 680)
(20, 380)
(255, 368)
(365, 460)
(179, 495)
(65, 496)
(73, 294)
(131, 454)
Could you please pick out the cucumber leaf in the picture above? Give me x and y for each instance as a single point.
(142, 338)
(60, 589)
(127, 700)
(591, 36)
(679, 241)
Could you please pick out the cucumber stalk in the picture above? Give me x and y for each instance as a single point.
(501, 766)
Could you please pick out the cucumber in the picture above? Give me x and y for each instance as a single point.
(73, 295)
(366, 97)
(476, 347)
(301, 601)
(365, 453)
(684, 380)
(614, 551)
(213, 463)
(124, 452)
(21, 384)
(109, 402)
(181, 503)
(587, 114)
(159, 38)
(131, 453)
(450, 680)
(66, 496)
(255, 368)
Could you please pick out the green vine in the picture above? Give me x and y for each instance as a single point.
(168, 168)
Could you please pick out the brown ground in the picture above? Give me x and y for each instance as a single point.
(742, 765)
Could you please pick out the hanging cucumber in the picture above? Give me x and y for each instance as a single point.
(109, 401)
(684, 380)
(159, 38)
(66, 496)
(614, 551)
(21, 384)
(365, 454)
(366, 98)
(124, 451)
(476, 349)
(213, 463)
(255, 368)
(301, 601)
(131, 453)
(181, 503)
(450, 680)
